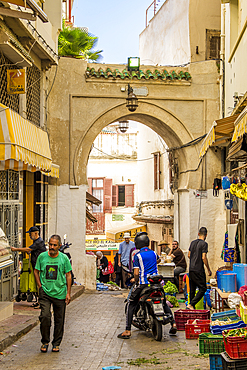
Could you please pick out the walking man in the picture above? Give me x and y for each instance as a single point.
(124, 255)
(198, 258)
(53, 277)
(179, 260)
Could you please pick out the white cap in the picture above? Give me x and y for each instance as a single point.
(126, 235)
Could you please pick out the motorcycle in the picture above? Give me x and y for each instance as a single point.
(62, 249)
(149, 314)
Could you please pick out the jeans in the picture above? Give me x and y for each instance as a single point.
(197, 279)
(59, 306)
(178, 270)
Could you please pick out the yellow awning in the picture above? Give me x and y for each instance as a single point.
(54, 171)
(117, 234)
(219, 134)
(240, 125)
(22, 141)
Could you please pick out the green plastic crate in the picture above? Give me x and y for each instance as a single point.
(211, 343)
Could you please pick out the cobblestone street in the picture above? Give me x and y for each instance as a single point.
(90, 342)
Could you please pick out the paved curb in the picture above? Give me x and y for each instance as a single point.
(23, 329)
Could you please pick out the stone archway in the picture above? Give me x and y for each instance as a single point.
(167, 125)
(82, 103)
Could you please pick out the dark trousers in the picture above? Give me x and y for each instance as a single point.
(118, 279)
(125, 276)
(178, 270)
(197, 280)
(133, 302)
(59, 306)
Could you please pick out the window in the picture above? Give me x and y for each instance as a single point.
(123, 195)
(98, 192)
(212, 44)
(156, 171)
(101, 188)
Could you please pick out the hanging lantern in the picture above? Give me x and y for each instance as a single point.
(131, 100)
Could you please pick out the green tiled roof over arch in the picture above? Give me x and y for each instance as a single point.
(156, 74)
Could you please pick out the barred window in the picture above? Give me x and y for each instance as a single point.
(212, 44)
(10, 100)
(33, 95)
(9, 185)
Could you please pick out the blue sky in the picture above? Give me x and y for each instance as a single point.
(117, 23)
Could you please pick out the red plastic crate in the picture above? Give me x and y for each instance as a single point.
(195, 327)
(182, 316)
(236, 347)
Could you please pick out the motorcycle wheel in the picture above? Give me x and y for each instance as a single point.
(157, 330)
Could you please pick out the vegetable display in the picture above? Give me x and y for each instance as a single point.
(224, 322)
(241, 332)
(170, 288)
(173, 300)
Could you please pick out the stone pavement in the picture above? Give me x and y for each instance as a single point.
(24, 319)
(90, 342)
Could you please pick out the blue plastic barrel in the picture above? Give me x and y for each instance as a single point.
(218, 274)
(241, 270)
(229, 282)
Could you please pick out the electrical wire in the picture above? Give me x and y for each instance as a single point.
(194, 170)
(192, 142)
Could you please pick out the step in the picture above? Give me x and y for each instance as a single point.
(6, 310)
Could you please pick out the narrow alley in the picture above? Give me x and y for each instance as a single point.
(90, 342)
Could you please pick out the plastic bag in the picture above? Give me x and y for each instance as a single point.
(234, 300)
(109, 269)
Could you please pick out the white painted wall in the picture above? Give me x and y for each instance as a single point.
(140, 142)
(212, 216)
(235, 71)
(65, 206)
(166, 39)
(149, 142)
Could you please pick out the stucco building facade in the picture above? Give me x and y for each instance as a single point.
(180, 106)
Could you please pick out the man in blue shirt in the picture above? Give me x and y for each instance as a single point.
(124, 255)
(145, 263)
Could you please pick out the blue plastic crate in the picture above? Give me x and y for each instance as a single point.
(222, 316)
(215, 362)
(217, 329)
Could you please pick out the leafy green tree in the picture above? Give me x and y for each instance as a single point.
(75, 42)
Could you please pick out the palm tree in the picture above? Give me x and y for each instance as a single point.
(75, 42)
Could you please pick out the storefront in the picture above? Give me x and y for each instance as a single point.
(25, 163)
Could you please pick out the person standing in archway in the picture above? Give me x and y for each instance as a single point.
(124, 255)
(198, 258)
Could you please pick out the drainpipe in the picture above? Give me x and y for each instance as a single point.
(70, 9)
(222, 59)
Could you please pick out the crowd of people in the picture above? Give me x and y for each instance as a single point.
(53, 275)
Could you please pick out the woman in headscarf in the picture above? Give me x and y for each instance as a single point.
(102, 264)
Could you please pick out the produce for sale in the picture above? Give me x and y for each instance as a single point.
(173, 300)
(241, 332)
(170, 288)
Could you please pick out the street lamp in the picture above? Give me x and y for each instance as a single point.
(131, 100)
(123, 126)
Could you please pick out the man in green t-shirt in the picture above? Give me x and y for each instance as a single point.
(53, 277)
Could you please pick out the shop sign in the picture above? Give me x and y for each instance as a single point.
(16, 81)
(117, 217)
(104, 244)
(201, 194)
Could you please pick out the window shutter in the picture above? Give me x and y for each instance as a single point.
(156, 171)
(114, 195)
(129, 195)
(107, 195)
(89, 186)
